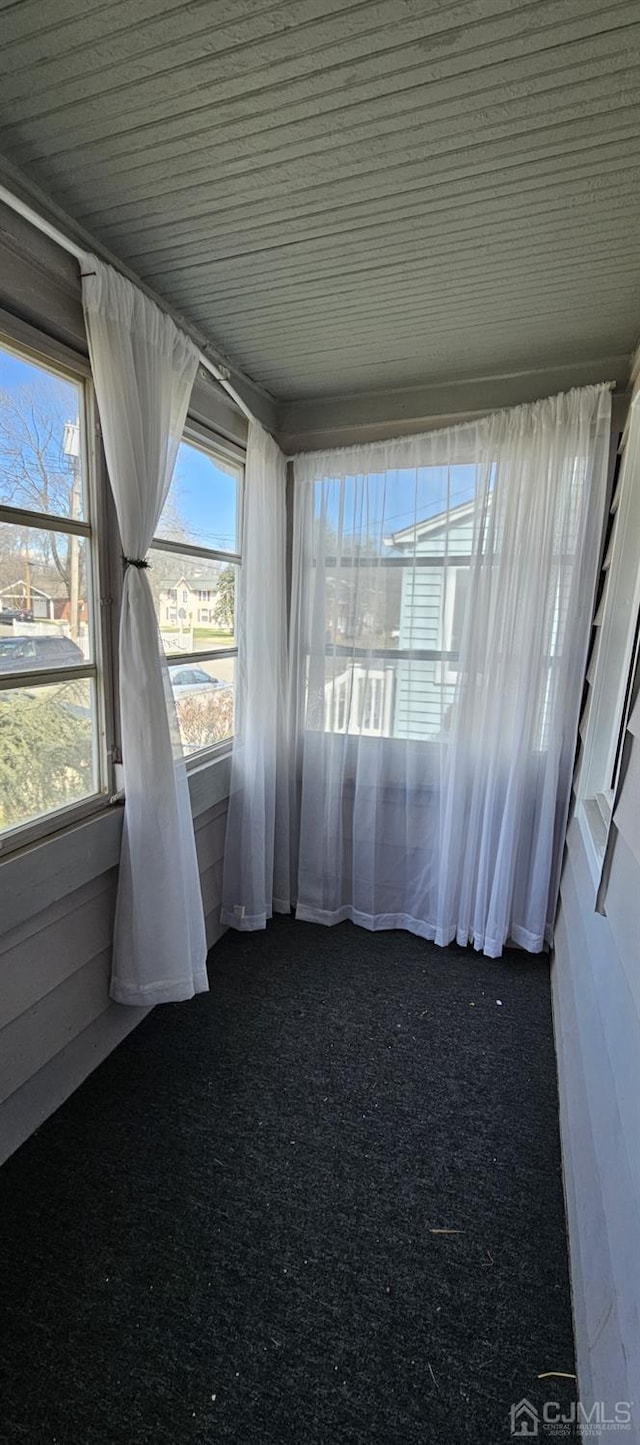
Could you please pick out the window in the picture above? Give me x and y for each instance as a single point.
(393, 556)
(51, 699)
(195, 558)
(614, 650)
(455, 590)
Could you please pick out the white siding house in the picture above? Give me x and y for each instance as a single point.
(188, 602)
(431, 613)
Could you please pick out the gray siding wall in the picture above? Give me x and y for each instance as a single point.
(56, 1019)
(423, 693)
(596, 1002)
(422, 700)
(596, 999)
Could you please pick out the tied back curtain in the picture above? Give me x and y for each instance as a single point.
(143, 369)
(256, 872)
(442, 596)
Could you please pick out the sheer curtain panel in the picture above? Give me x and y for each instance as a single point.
(442, 596)
(256, 877)
(143, 370)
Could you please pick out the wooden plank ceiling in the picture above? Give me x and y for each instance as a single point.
(349, 195)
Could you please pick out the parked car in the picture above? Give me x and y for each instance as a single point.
(188, 680)
(9, 615)
(24, 654)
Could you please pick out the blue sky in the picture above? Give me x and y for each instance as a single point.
(15, 372)
(44, 402)
(61, 395)
(379, 505)
(205, 496)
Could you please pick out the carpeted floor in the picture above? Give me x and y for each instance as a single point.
(321, 1206)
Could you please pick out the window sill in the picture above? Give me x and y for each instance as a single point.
(52, 825)
(593, 831)
(55, 865)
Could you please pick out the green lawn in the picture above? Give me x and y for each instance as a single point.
(208, 634)
(220, 632)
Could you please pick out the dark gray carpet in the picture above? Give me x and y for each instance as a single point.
(231, 1231)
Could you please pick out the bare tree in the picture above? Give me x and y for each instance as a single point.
(35, 474)
(166, 568)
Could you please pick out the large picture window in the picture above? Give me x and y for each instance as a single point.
(194, 569)
(51, 728)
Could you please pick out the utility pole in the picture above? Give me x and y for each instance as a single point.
(27, 570)
(71, 449)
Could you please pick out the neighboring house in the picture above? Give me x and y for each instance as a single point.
(45, 606)
(62, 609)
(189, 603)
(407, 698)
(19, 595)
(432, 610)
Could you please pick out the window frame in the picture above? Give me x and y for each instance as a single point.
(29, 344)
(617, 642)
(210, 442)
(378, 657)
(449, 668)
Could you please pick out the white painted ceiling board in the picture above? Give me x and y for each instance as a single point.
(350, 197)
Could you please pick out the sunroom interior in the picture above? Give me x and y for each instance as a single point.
(319, 721)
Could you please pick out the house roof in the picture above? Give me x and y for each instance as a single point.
(431, 525)
(193, 583)
(20, 583)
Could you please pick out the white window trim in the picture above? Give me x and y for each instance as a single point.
(447, 670)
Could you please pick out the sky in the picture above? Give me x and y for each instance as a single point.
(44, 402)
(377, 506)
(205, 496)
(16, 372)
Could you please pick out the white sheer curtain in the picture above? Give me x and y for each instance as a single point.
(143, 369)
(255, 880)
(442, 596)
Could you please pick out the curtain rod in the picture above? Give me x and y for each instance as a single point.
(65, 242)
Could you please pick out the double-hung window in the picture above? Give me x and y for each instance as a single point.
(52, 751)
(195, 559)
(389, 596)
